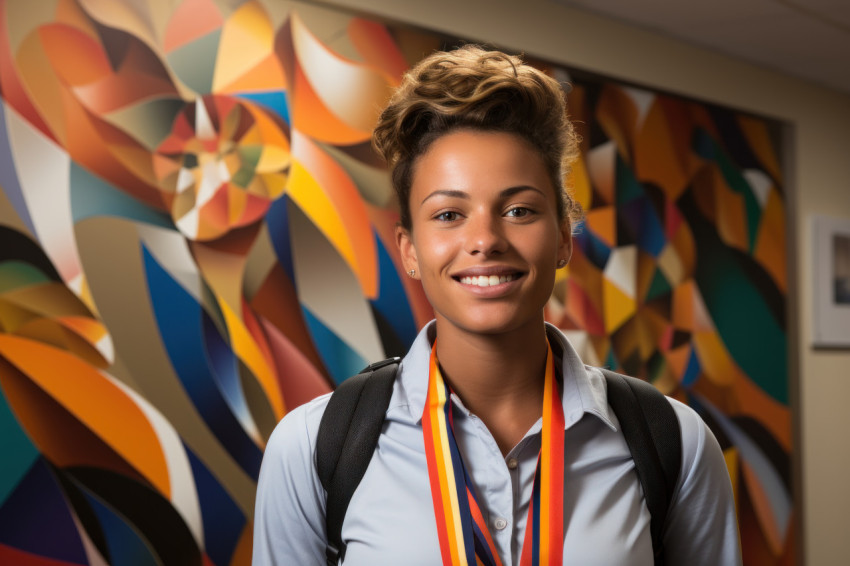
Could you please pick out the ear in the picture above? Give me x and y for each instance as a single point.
(407, 249)
(565, 243)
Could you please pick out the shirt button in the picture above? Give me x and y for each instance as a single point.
(512, 464)
(500, 524)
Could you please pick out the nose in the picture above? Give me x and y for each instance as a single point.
(484, 235)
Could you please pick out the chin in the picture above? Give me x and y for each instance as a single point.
(494, 323)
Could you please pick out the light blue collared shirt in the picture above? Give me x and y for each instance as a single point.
(391, 517)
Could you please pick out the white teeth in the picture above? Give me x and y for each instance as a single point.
(487, 281)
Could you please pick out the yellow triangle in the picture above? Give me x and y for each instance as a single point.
(619, 307)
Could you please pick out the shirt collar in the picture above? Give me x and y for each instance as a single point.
(583, 388)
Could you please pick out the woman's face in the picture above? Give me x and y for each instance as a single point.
(486, 237)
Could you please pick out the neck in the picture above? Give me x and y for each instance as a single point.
(499, 377)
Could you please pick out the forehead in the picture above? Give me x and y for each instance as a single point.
(479, 163)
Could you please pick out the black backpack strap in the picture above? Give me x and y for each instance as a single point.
(652, 432)
(347, 437)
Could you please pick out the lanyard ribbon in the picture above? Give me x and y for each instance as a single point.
(464, 537)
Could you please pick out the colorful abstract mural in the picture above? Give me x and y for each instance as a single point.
(195, 237)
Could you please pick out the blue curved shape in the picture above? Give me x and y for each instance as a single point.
(179, 319)
(693, 370)
(340, 359)
(275, 100)
(651, 238)
(771, 481)
(223, 368)
(595, 250)
(222, 519)
(126, 547)
(392, 300)
(277, 221)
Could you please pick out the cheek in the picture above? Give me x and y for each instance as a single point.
(435, 252)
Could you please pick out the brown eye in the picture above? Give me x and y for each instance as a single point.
(518, 212)
(447, 216)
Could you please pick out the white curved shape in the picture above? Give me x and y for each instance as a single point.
(353, 92)
(759, 183)
(621, 269)
(44, 174)
(327, 286)
(184, 492)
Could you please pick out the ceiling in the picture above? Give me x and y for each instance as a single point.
(808, 39)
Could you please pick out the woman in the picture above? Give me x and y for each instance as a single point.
(478, 143)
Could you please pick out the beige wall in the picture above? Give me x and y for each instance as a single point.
(819, 182)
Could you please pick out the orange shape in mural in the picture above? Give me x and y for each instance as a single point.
(349, 91)
(775, 416)
(14, 93)
(357, 242)
(731, 216)
(95, 401)
(377, 48)
(682, 315)
(267, 75)
(617, 115)
(756, 133)
(602, 221)
(714, 358)
(656, 158)
(310, 116)
(677, 359)
(45, 89)
(770, 248)
(75, 56)
(762, 507)
(58, 435)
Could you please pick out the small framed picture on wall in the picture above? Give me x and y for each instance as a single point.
(831, 254)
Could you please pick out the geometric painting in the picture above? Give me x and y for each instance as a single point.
(196, 237)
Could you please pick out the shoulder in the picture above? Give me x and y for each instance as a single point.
(699, 446)
(701, 524)
(296, 433)
(704, 485)
(289, 515)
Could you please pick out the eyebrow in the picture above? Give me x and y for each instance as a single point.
(505, 193)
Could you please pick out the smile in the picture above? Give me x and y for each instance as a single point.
(487, 280)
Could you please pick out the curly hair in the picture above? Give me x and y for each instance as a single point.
(471, 88)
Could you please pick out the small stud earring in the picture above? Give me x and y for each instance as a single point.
(412, 272)
(561, 263)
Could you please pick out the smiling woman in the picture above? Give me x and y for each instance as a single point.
(499, 445)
